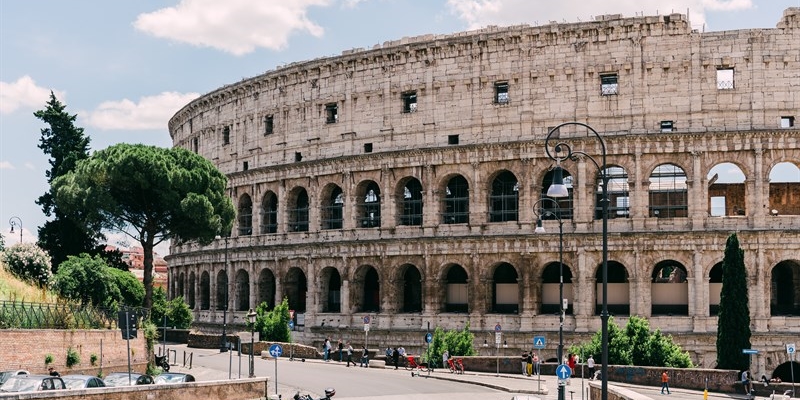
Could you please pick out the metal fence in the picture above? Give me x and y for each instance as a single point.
(22, 315)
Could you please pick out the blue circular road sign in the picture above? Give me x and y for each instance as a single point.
(497, 328)
(366, 319)
(291, 324)
(275, 350)
(563, 371)
(428, 337)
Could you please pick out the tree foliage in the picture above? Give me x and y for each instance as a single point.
(635, 345)
(28, 262)
(89, 280)
(457, 343)
(176, 310)
(151, 194)
(733, 325)
(273, 325)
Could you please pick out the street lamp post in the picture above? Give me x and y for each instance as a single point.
(561, 152)
(540, 213)
(251, 318)
(16, 221)
(223, 347)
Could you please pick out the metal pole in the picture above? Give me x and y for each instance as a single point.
(497, 355)
(252, 350)
(230, 363)
(560, 298)
(224, 346)
(791, 369)
(276, 374)
(164, 344)
(128, 340)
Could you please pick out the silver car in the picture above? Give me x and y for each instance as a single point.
(82, 381)
(4, 375)
(123, 379)
(32, 383)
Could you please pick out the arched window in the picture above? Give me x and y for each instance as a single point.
(784, 189)
(506, 290)
(668, 192)
(331, 290)
(245, 215)
(619, 299)
(411, 203)
(269, 209)
(332, 208)
(670, 289)
(726, 191)
(266, 288)
(222, 290)
(369, 205)
(457, 296)
(205, 291)
(412, 289)
(242, 290)
(551, 282)
(456, 201)
(504, 198)
(192, 283)
(298, 216)
(619, 200)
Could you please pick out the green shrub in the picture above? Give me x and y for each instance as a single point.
(28, 262)
(48, 359)
(93, 359)
(73, 358)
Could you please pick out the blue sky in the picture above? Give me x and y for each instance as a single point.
(126, 67)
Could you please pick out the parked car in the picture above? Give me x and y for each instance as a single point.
(115, 379)
(174, 377)
(82, 381)
(4, 375)
(32, 383)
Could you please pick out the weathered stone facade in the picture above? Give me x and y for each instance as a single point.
(400, 182)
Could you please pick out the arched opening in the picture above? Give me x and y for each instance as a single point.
(551, 282)
(618, 289)
(668, 193)
(505, 290)
(332, 208)
(266, 288)
(456, 201)
(504, 198)
(410, 204)
(714, 288)
(242, 290)
(205, 291)
(369, 205)
(298, 214)
(269, 210)
(619, 200)
(295, 289)
(785, 289)
(181, 285)
(371, 291)
(192, 283)
(412, 289)
(564, 208)
(457, 296)
(786, 370)
(726, 191)
(669, 289)
(331, 290)
(784, 189)
(222, 290)
(245, 215)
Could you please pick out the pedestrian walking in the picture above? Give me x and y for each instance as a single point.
(529, 364)
(395, 357)
(326, 350)
(524, 363)
(664, 382)
(590, 364)
(536, 364)
(365, 357)
(350, 355)
(340, 345)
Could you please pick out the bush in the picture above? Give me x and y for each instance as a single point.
(92, 282)
(273, 325)
(73, 358)
(28, 262)
(178, 313)
(48, 359)
(456, 342)
(93, 359)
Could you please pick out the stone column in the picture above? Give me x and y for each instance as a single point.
(478, 212)
(757, 189)
(697, 193)
(698, 298)
(430, 200)
(582, 215)
(345, 299)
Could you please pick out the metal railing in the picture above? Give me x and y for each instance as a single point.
(25, 315)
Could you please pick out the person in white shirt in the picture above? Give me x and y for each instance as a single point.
(590, 364)
(445, 357)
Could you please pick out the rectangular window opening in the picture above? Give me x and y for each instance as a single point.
(409, 102)
(269, 125)
(298, 156)
(226, 135)
(725, 79)
(787, 122)
(367, 147)
(501, 92)
(667, 126)
(452, 139)
(245, 166)
(195, 144)
(609, 84)
(331, 113)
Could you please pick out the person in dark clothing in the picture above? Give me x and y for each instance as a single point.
(395, 357)
(53, 372)
(341, 348)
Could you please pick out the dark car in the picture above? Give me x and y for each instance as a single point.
(82, 381)
(174, 377)
(32, 383)
(4, 375)
(121, 379)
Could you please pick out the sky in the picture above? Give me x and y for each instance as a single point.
(125, 67)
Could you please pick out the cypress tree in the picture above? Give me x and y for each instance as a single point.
(733, 326)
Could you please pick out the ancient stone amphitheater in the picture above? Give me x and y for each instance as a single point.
(401, 185)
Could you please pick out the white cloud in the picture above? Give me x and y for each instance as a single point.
(235, 26)
(6, 165)
(480, 13)
(152, 112)
(24, 93)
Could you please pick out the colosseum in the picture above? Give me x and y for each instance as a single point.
(403, 185)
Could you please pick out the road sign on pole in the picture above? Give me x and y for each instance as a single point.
(563, 372)
(275, 351)
(428, 338)
(539, 342)
(497, 328)
(790, 348)
(749, 351)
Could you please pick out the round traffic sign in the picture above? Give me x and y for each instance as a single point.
(497, 328)
(291, 324)
(275, 350)
(563, 371)
(790, 348)
(366, 319)
(428, 337)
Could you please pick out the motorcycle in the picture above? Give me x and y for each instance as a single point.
(161, 361)
(329, 392)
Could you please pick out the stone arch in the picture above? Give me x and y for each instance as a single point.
(505, 289)
(269, 213)
(332, 207)
(726, 191)
(331, 290)
(245, 217)
(619, 291)
(298, 204)
(192, 284)
(668, 193)
(551, 280)
(784, 296)
(242, 291)
(784, 371)
(619, 199)
(295, 287)
(222, 290)
(456, 296)
(565, 204)
(669, 291)
(366, 287)
(205, 291)
(368, 200)
(714, 288)
(504, 197)
(784, 189)
(409, 193)
(410, 283)
(181, 292)
(266, 288)
(455, 200)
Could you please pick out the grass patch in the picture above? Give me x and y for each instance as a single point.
(14, 289)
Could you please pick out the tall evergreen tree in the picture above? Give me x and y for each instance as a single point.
(733, 326)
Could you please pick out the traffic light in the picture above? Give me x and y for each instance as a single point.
(126, 321)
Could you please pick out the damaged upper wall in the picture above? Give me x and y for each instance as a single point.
(620, 75)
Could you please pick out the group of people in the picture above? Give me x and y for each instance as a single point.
(530, 363)
(346, 352)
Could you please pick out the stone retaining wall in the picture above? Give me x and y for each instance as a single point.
(241, 389)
